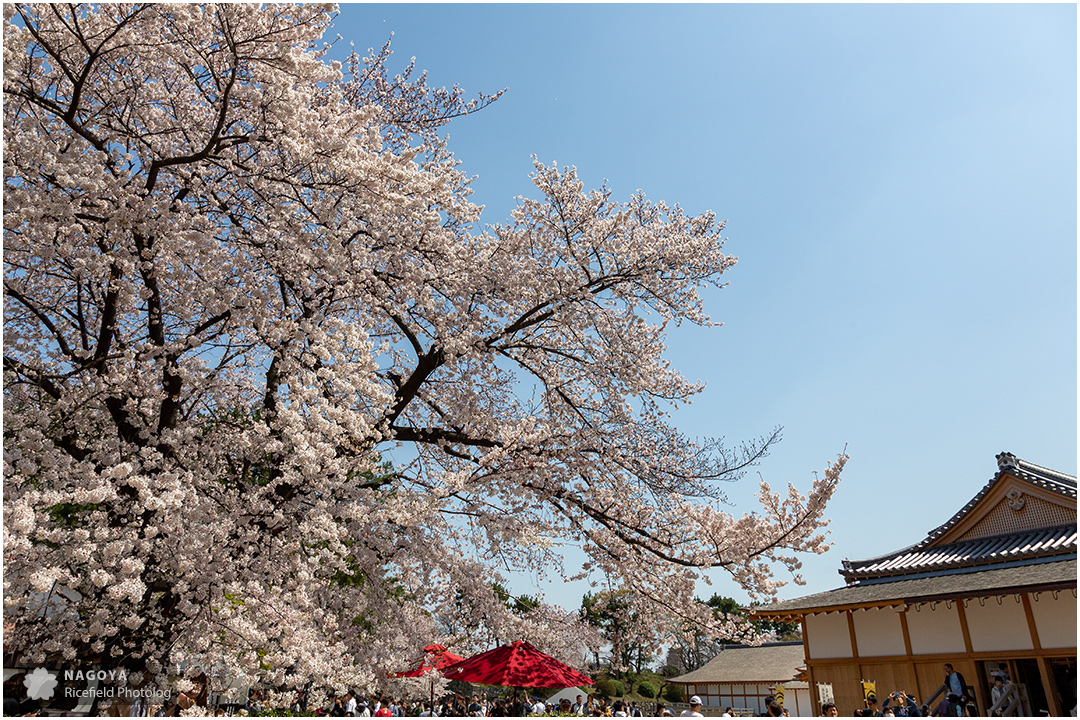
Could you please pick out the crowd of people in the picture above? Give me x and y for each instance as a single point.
(516, 704)
(955, 702)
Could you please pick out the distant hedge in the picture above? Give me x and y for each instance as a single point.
(605, 687)
(646, 689)
(674, 693)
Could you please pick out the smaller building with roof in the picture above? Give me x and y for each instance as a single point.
(742, 677)
(992, 591)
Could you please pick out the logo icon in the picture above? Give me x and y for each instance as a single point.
(40, 684)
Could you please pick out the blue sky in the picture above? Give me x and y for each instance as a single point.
(900, 186)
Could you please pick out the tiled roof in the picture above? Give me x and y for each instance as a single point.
(960, 582)
(773, 663)
(1043, 477)
(996, 549)
(922, 558)
(1009, 464)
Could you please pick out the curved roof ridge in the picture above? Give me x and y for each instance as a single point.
(1030, 466)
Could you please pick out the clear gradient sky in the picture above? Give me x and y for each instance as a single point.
(900, 183)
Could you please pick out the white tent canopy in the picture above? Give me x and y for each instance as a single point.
(570, 693)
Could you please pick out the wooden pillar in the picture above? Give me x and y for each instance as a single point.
(910, 654)
(851, 629)
(1031, 622)
(815, 701)
(981, 694)
(1047, 676)
(1050, 688)
(963, 625)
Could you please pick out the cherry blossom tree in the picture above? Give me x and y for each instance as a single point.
(237, 274)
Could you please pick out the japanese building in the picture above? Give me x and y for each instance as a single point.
(744, 677)
(992, 591)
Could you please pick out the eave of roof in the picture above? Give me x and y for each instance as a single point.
(964, 582)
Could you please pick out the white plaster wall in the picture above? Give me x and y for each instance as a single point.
(828, 636)
(798, 703)
(934, 630)
(1055, 619)
(878, 632)
(997, 627)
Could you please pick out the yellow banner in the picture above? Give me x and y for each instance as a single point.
(869, 688)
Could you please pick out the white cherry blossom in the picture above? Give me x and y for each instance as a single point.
(236, 275)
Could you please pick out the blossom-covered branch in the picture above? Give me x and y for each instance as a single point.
(239, 274)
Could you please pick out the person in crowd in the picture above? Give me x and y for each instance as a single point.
(337, 706)
(949, 707)
(955, 684)
(829, 710)
(383, 707)
(775, 709)
(997, 692)
(871, 709)
(254, 702)
(727, 712)
(695, 708)
(578, 708)
(901, 705)
(539, 706)
(566, 707)
(663, 710)
(634, 711)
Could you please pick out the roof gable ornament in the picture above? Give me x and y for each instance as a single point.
(1007, 462)
(1016, 500)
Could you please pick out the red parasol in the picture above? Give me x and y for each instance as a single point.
(518, 665)
(437, 657)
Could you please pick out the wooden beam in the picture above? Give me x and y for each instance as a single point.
(907, 649)
(907, 635)
(964, 626)
(1050, 653)
(1050, 688)
(851, 629)
(1032, 628)
(791, 615)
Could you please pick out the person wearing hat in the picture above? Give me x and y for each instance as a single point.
(695, 708)
(664, 711)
